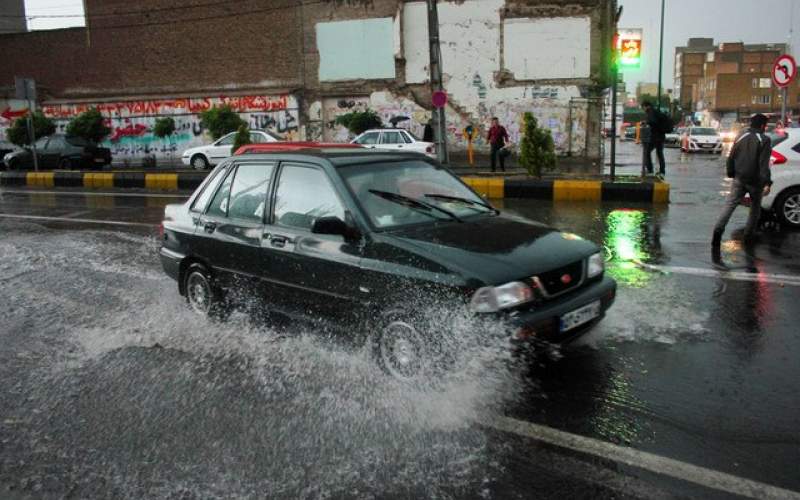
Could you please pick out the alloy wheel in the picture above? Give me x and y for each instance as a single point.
(401, 350)
(198, 292)
(791, 209)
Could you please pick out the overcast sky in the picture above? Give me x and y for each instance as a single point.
(762, 21)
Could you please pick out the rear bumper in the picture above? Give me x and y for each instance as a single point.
(544, 323)
(171, 262)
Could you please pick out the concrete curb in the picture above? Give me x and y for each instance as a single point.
(492, 187)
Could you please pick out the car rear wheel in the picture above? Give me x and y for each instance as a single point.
(787, 207)
(65, 164)
(199, 162)
(202, 295)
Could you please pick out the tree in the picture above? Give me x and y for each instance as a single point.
(664, 105)
(537, 149)
(360, 121)
(242, 138)
(220, 121)
(18, 132)
(164, 127)
(89, 125)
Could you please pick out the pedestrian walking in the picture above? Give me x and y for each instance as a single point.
(748, 166)
(660, 125)
(498, 138)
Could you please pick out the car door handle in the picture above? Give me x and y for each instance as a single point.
(279, 241)
(209, 227)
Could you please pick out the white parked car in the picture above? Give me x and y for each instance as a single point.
(701, 139)
(395, 138)
(673, 139)
(784, 198)
(204, 157)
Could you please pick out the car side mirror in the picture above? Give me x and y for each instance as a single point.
(334, 225)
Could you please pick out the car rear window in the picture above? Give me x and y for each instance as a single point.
(777, 137)
(78, 141)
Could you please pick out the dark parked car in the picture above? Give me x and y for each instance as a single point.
(60, 152)
(370, 240)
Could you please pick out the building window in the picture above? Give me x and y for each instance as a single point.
(761, 99)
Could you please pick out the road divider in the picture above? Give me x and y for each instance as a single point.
(572, 190)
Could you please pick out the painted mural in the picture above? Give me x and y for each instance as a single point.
(132, 122)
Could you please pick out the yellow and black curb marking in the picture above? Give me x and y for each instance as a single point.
(570, 190)
(492, 187)
(99, 180)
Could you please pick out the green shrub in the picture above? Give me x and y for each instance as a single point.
(360, 121)
(220, 121)
(242, 137)
(537, 149)
(164, 127)
(89, 125)
(18, 132)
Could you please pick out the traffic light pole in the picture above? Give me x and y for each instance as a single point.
(660, 58)
(614, 120)
(438, 117)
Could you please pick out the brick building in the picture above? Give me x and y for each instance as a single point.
(293, 66)
(689, 62)
(734, 81)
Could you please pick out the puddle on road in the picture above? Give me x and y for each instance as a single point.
(227, 411)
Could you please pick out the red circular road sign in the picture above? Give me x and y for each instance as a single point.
(784, 70)
(439, 99)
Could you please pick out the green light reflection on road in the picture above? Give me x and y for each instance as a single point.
(624, 244)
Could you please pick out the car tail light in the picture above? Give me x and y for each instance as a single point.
(161, 230)
(429, 149)
(777, 158)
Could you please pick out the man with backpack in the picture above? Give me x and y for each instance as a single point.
(660, 125)
(748, 166)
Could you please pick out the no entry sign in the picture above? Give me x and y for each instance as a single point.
(439, 99)
(784, 70)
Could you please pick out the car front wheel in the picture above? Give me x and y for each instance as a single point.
(400, 350)
(199, 162)
(202, 295)
(787, 207)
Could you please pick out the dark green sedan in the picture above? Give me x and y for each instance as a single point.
(370, 239)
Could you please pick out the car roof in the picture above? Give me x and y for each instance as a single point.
(337, 156)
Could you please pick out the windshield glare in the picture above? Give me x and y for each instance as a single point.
(414, 179)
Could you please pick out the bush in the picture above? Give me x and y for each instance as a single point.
(537, 149)
(220, 121)
(89, 125)
(360, 121)
(164, 127)
(18, 132)
(242, 138)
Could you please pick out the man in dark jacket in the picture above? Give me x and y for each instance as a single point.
(655, 122)
(748, 165)
(497, 138)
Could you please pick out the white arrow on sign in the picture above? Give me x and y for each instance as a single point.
(784, 70)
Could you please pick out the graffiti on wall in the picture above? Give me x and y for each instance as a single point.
(132, 122)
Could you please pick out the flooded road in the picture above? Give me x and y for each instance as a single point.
(112, 388)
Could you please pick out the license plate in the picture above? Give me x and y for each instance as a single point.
(708, 145)
(580, 316)
(99, 160)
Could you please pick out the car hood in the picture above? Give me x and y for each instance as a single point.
(494, 250)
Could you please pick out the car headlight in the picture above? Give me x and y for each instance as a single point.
(595, 265)
(494, 298)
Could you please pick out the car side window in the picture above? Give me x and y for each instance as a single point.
(41, 142)
(56, 143)
(369, 138)
(304, 194)
(796, 148)
(227, 140)
(249, 193)
(391, 138)
(407, 138)
(219, 205)
(256, 138)
(201, 201)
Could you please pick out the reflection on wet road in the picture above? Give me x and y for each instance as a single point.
(114, 390)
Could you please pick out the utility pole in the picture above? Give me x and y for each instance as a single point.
(660, 57)
(438, 118)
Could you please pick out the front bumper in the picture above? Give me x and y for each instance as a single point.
(186, 160)
(543, 323)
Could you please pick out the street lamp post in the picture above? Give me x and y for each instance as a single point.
(660, 56)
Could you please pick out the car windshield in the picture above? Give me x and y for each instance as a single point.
(414, 184)
(704, 131)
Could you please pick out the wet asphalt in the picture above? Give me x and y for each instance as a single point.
(112, 389)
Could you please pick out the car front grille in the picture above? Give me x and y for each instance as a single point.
(559, 281)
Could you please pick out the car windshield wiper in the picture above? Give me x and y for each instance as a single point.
(413, 203)
(463, 200)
